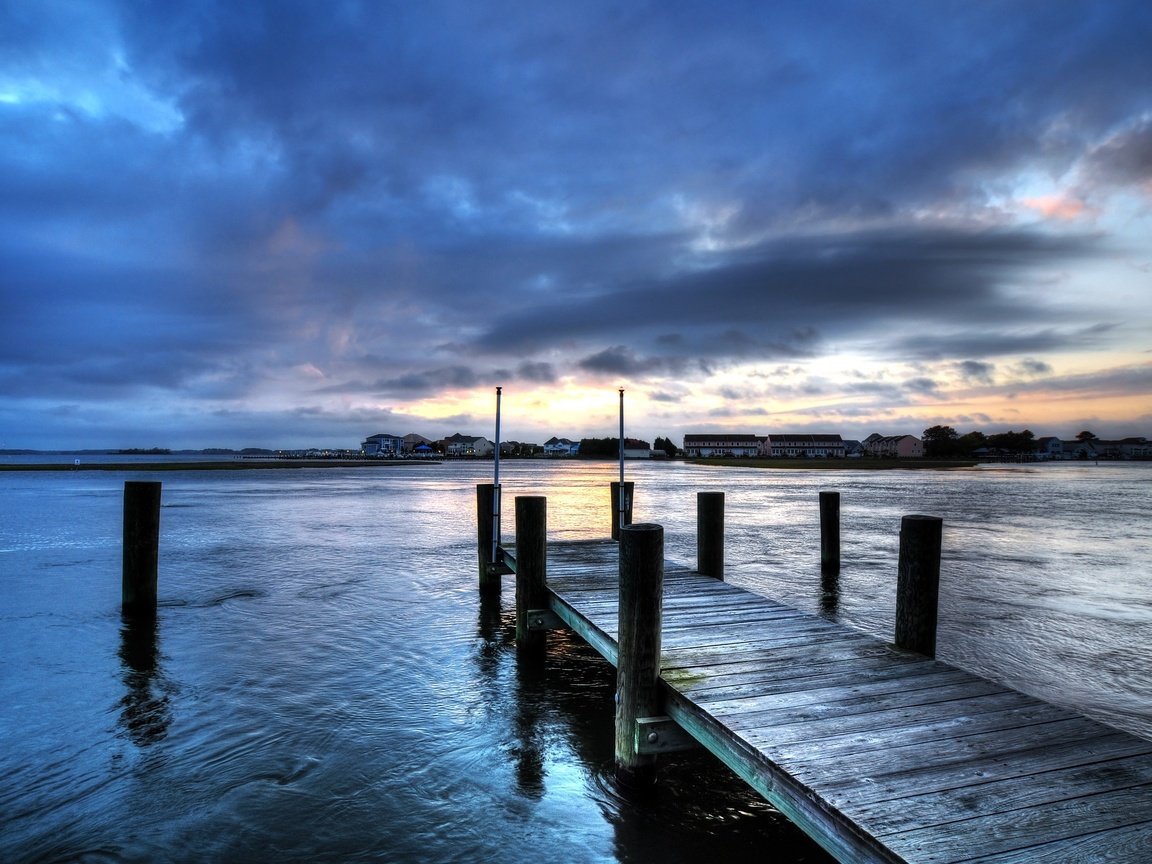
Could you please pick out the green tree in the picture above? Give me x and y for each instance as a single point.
(667, 446)
(940, 442)
(1085, 436)
(600, 447)
(1013, 442)
(971, 442)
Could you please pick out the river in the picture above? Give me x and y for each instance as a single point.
(323, 683)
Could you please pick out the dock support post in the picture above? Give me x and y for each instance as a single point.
(485, 498)
(621, 505)
(531, 569)
(918, 583)
(710, 534)
(638, 662)
(829, 531)
(141, 547)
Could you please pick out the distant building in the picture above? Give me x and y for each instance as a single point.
(894, 446)
(561, 447)
(703, 446)
(797, 446)
(1049, 447)
(468, 445)
(1099, 448)
(382, 445)
(413, 442)
(634, 448)
(1135, 448)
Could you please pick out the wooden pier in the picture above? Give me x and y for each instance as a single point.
(878, 753)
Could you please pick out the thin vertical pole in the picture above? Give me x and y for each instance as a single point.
(496, 484)
(918, 583)
(638, 661)
(141, 547)
(710, 534)
(620, 523)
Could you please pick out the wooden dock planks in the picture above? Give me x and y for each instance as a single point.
(879, 754)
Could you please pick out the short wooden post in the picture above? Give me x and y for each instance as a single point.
(629, 488)
(638, 663)
(829, 531)
(489, 578)
(531, 568)
(918, 583)
(141, 547)
(710, 534)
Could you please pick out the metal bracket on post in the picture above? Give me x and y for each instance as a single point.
(662, 735)
(544, 619)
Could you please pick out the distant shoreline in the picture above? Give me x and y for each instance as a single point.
(229, 465)
(837, 464)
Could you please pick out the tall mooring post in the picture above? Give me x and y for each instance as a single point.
(829, 531)
(918, 583)
(710, 534)
(485, 525)
(638, 662)
(621, 505)
(141, 547)
(531, 569)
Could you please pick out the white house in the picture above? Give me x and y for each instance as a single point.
(561, 447)
(634, 448)
(468, 445)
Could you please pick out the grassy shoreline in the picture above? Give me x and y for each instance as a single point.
(229, 465)
(839, 464)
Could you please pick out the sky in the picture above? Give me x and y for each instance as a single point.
(287, 224)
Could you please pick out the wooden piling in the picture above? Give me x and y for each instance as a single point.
(918, 583)
(531, 568)
(829, 531)
(629, 488)
(710, 534)
(638, 662)
(489, 578)
(141, 551)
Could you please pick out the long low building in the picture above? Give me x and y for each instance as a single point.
(703, 446)
(797, 446)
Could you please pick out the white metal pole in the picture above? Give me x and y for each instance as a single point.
(620, 503)
(496, 484)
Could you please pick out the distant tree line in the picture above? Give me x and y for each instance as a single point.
(609, 448)
(944, 442)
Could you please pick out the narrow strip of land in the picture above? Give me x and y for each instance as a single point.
(224, 465)
(878, 754)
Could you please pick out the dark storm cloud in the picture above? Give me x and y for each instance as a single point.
(784, 298)
(976, 370)
(203, 197)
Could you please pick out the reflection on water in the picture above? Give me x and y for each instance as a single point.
(145, 709)
(830, 590)
(322, 681)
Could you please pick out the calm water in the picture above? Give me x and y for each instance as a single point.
(323, 684)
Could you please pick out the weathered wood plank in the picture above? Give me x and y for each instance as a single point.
(879, 754)
(1131, 844)
(998, 796)
(1015, 830)
(856, 790)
